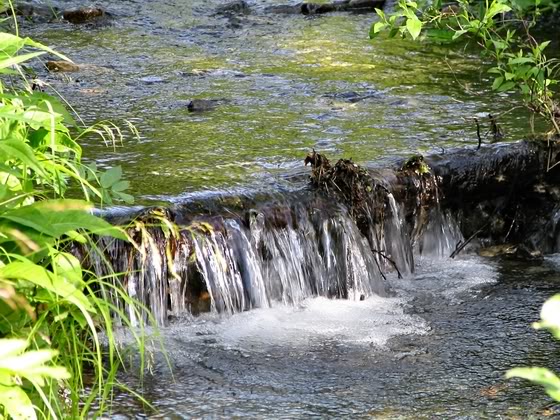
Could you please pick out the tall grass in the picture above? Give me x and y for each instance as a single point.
(56, 327)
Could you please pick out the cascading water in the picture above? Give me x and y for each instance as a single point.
(281, 253)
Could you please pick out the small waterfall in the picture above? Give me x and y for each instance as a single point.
(280, 253)
(440, 237)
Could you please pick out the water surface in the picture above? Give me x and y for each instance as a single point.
(439, 348)
(286, 84)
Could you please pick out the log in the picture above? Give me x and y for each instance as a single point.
(502, 194)
(349, 223)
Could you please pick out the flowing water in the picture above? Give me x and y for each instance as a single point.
(437, 349)
(435, 344)
(285, 84)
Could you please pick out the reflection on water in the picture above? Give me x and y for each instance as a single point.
(286, 84)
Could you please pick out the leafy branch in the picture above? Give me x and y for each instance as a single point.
(502, 29)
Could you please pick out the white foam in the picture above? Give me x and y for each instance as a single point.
(447, 277)
(315, 321)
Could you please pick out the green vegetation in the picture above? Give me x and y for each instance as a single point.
(51, 310)
(550, 320)
(503, 30)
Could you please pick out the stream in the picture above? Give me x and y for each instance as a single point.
(438, 343)
(437, 349)
(284, 84)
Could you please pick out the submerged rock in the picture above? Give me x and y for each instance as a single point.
(150, 80)
(286, 9)
(61, 66)
(351, 97)
(202, 105)
(84, 15)
(36, 12)
(321, 8)
(235, 7)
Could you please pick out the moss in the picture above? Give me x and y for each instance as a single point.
(416, 164)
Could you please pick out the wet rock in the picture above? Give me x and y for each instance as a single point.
(317, 9)
(510, 251)
(61, 66)
(236, 7)
(36, 12)
(321, 8)
(150, 80)
(284, 9)
(497, 251)
(365, 4)
(193, 73)
(202, 105)
(352, 97)
(84, 15)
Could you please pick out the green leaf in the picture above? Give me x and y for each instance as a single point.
(120, 186)
(550, 316)
(506, 86)
(15, 149)
(458, 34)
(69, 267)
(42, 98)
(497, 82)
(30, 364)
(393, 32)
(441, 35)
(55, 218)
(17, 403)
(11, 347)
(10, 44)
(540, 376)
(520, 60)
(414, 27)
(499, 45)
(496, 8)
(7, 62)
(38, 45)
(543, 45)
(35, 274)
(110, 177)
(376, 28)
(126, 198)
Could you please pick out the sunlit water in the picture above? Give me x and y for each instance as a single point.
(286, 84)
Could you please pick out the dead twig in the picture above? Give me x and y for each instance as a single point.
(393, 263)
(478, 133)
(461, 245)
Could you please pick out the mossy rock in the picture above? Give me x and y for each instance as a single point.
(61, 66)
